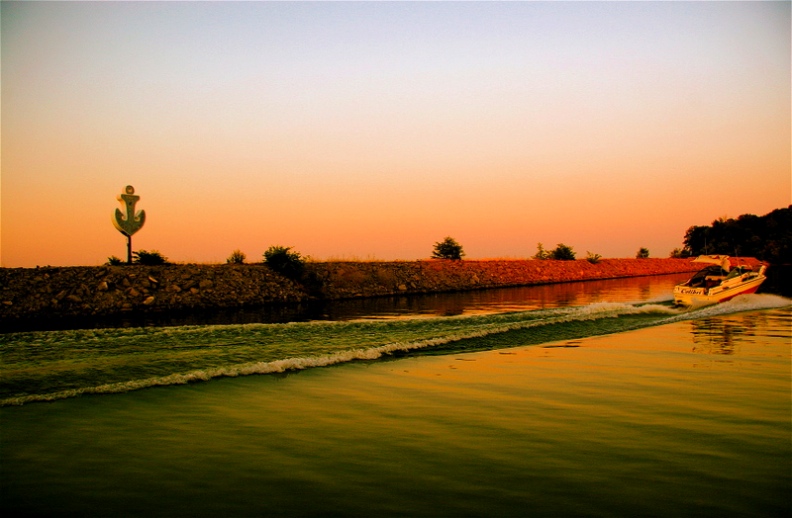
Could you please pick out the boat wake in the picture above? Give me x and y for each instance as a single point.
(52, 365)
(739, 304)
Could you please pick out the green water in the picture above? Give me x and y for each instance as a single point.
(604, 409)
(41, 366)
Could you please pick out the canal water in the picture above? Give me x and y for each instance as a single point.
(583, 399)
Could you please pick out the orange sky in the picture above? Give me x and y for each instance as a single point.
(371, 131)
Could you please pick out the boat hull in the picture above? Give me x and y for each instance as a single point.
(686, 296)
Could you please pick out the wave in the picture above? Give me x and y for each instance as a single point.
(317, 341)
(742, 303)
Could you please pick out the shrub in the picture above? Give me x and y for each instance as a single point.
(593, 258)
(147, 258)
(563, 252)
(282, 260)
(677, 253)
(236, 257)
(448, 249)
(541, 253)
(114, 261)
(643, 253)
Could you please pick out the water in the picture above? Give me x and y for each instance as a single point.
(606, 405)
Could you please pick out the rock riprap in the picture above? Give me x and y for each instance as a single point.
(108, 290)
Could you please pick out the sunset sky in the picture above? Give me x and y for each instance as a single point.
(371, 130)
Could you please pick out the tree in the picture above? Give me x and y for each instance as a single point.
(768, 237)
(541, 253)
(563, 252)
(643, 253)
(285, 262)
(696, 241)
(448, 249)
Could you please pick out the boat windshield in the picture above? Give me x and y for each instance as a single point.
(699, 279)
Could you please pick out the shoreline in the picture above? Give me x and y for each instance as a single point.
(103, 291)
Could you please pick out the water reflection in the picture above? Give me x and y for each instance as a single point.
(505, 299)
(723, 335)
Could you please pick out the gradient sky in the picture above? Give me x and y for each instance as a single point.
(371, 130)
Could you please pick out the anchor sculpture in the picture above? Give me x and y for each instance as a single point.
(130, 222)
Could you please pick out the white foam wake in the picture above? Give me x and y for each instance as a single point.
(480, 328)
(749, 302)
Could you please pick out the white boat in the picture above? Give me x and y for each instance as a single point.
(724, 278)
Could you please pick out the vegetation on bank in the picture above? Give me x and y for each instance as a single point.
(283, 260)
(143, 257)
(448, 248)
(593, 258)
(236, 257)
(561, 252)
(768, 237)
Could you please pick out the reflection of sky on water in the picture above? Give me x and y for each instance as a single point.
(639, 289)
(724, 335)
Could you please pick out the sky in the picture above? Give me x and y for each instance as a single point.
(372, 130)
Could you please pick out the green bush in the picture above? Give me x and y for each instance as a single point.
(541, 253)
(448, 249)
(114, 261)
(643, 253)
(593, 258)
(236, 257)
(147, 258)
(282, 260)
(563, 252)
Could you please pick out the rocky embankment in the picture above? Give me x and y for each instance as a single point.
(27, 293)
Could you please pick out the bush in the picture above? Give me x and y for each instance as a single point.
(676, 253)
(448, 249)
(114, 261)
(643, 253)
(593, 258)
(147, 258)
(541, 253)
(282, 260)
(563, 253)
(236, 257)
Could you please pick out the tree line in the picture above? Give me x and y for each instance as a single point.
(768, 237)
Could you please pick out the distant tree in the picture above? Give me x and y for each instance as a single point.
(767, 237)
(676, 253)
(448, 249)
(152, 258)
(643, 253)
(563, 252)
(696, 241)
(285, 262)
(236, 257)
(541, 253)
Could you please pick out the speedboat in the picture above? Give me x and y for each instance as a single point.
(723, 279)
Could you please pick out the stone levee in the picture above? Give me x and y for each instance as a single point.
(108, 290)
